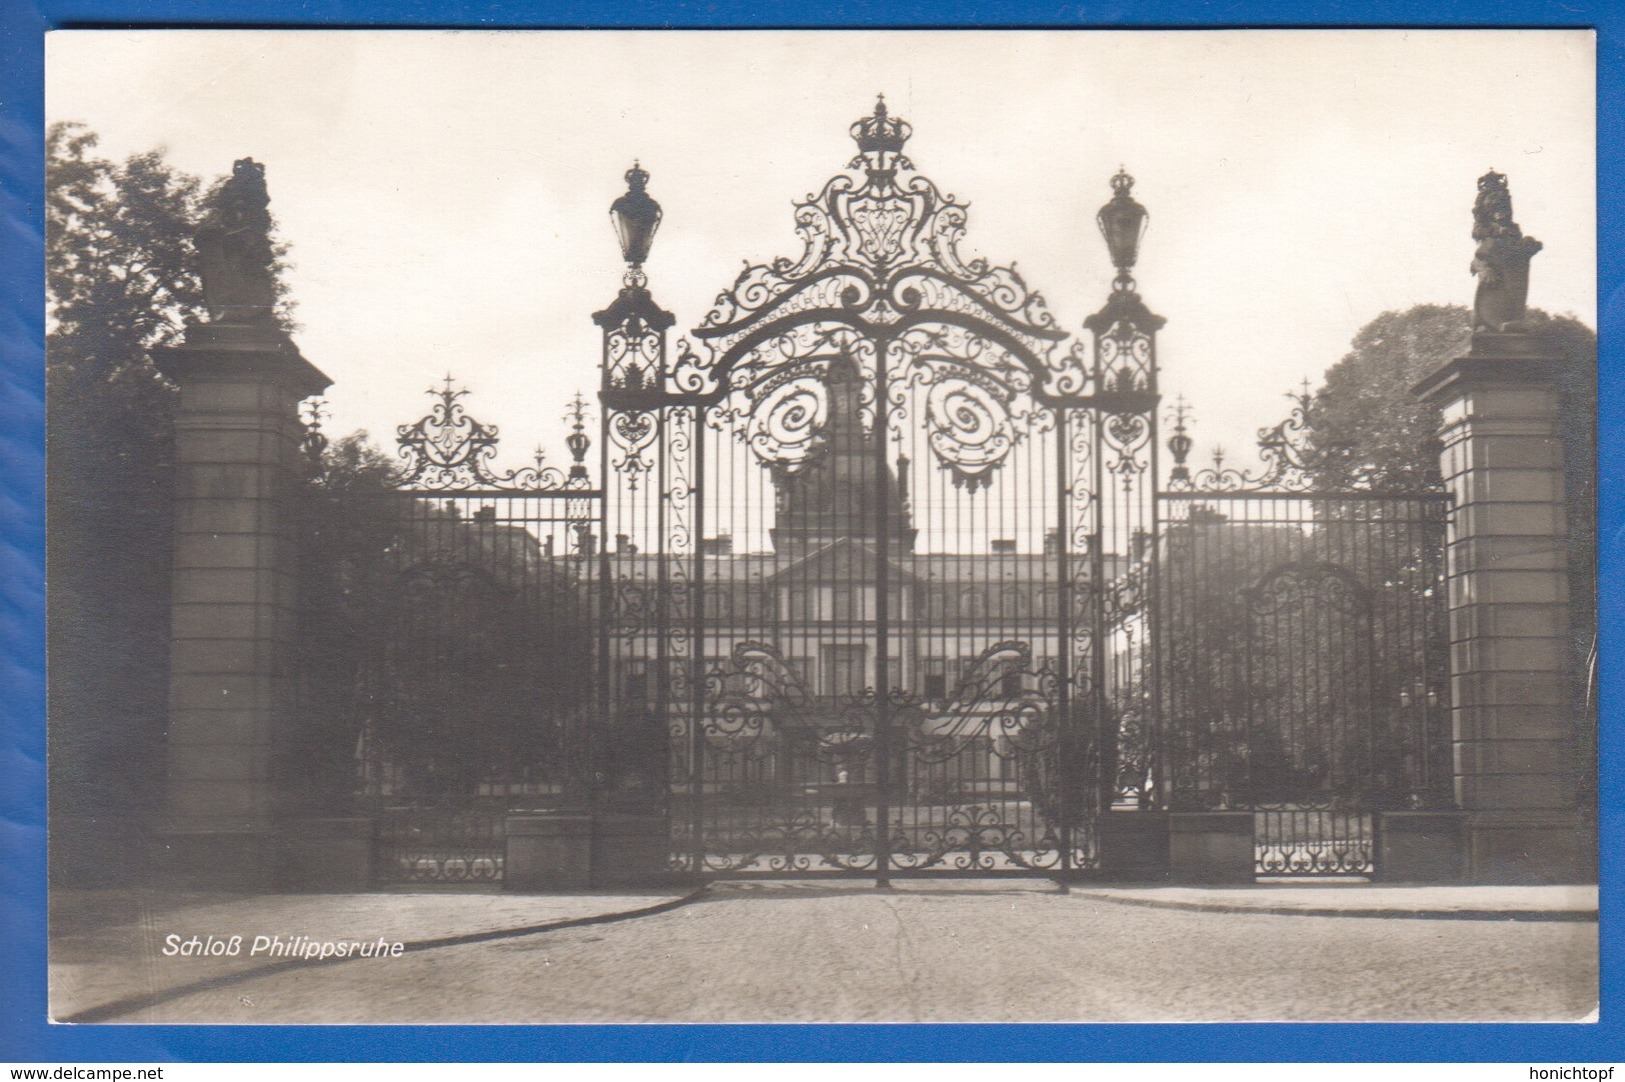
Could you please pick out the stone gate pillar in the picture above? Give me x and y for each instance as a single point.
(1514, 721)
(237, 463)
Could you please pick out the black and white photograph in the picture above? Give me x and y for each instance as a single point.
(811, 526)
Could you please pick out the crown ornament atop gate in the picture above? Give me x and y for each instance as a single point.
(878, 135)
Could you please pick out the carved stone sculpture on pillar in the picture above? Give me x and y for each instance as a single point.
(1502, 259)
(234, 249)
(1514, 719)
(237, 457)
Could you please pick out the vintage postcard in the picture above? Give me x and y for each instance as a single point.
(821, 527)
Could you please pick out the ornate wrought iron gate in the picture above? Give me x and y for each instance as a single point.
(875, 536)
(452, 643)
(880, 581)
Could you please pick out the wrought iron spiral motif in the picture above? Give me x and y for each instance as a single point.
(980, 709)
(1313, 838)
(314, 443)
(970, 430)
(1129, 436)
(1125, 359)
(416, 847)
(746, 693)
(632, 353)
(785, 425)
(977, 837)
(797, 840)
(448, 450)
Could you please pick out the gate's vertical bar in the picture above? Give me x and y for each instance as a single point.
(604, 611)
(697, 644)
(883, 749)
(1063, 631)
(661, 678)
(1097, 610)
(1148, 662)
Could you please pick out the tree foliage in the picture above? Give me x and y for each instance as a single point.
(119, 283)
(1296, 661)
(1368, 429)
(441, 647)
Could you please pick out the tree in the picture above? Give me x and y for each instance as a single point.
(1368, 430)
(1365, 429)
(345, 528)
(440, 642)
(118, 284)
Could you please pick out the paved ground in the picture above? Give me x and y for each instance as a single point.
(1357, 897)
(941, 951)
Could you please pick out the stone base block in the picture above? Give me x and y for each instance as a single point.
(1509, 848)
(217, 861)
(630, 850)
(548, 852)
(1210, 847)
(328, 854)
(1133, 845)
(1419, 847)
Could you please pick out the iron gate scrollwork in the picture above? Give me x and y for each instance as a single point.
(883, 578)
(861, 574)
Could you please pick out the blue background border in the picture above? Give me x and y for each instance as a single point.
(24, 1034)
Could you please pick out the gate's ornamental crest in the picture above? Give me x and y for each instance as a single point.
(880, 281)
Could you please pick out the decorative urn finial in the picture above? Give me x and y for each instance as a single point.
(1122, 222)
(1180, 443)
(577, 441)
(636, 217)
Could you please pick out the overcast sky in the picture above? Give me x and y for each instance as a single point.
(445, 195)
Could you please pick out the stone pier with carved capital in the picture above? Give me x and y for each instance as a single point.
(1516, 724)
(237, 465)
